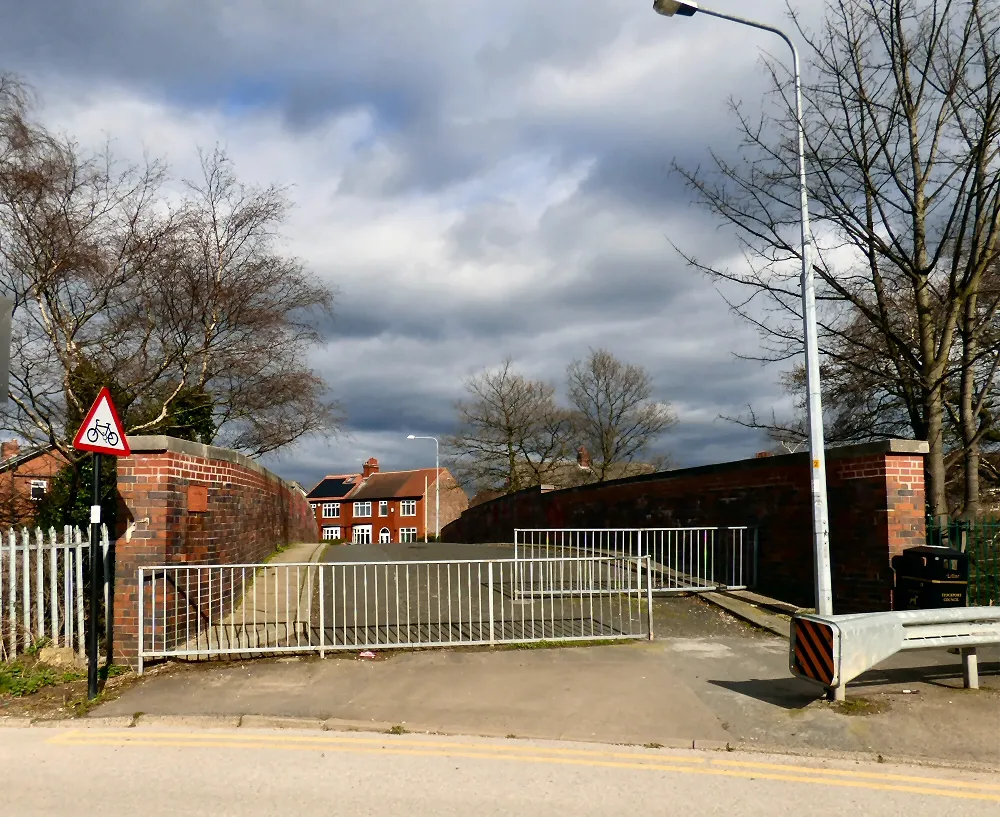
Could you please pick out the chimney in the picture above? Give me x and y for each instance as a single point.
(583, 457)
(762, 454)
(8, 449)
(371, 467)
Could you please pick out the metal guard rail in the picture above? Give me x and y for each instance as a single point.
(834, 650)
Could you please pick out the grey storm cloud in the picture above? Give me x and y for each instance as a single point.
(479, 113)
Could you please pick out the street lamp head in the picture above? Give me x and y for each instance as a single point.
(668, 8)
(410, 437)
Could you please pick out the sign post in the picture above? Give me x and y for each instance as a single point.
(100, 433)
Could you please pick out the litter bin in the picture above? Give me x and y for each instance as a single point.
(930, 577)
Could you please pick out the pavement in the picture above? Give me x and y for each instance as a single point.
(259, 773)
(707, 680)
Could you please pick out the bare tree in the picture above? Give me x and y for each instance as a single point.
(187, 312)
(510, 431)
(902, 137)
(866, 398)
(613, 411)
(244, 314)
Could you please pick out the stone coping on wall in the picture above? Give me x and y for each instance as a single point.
(161, 443)
(857, 450)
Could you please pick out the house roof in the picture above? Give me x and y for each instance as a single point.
(396, 484)
(25, 456)
(335, 486)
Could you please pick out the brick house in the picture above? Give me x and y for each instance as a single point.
(327, 502)
(385, 506)
(25, 477)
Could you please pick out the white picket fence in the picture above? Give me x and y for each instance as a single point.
(41, 588)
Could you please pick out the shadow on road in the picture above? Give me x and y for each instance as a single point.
(794, 693)
(788, 693)
(942, 675)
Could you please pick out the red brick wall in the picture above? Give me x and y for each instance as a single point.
(182, 502)
(876, 500)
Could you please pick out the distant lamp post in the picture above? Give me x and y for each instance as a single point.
(437, 479)
(817, 457)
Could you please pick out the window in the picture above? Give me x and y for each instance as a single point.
(408, 507)
(331, 510)
(407, 534)
(363, 509)
(331, 533)
(38, 488)
(362, 534)
(383, 508)
(384, 537)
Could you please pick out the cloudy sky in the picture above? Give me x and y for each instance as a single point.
(477, 178)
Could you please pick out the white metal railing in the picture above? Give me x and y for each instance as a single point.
(682, 559)
(41, 588)
(214, 610)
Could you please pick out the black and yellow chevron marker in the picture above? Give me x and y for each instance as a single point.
(814, 650)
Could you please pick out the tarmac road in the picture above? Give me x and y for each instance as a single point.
(158, 771)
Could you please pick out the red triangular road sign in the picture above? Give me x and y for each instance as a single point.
(102, 431)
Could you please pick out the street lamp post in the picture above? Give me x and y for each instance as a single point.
(437, 479)
(817, 457)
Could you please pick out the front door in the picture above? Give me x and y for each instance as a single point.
(362, 534)
(384, 537)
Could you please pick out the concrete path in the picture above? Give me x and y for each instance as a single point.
(274, 608)
(256, 773)
(279, 595)
(614, 693)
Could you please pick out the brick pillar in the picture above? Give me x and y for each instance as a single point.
(876, 510)
(143, 540)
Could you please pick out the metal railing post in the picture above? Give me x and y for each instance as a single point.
(970, 668)
(649, 596)
(80, 624)
(322, 614)
(489, 581)
(26, 586)
(142, 622)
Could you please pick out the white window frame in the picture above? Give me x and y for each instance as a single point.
(362, 510)
(362, 535)
(408, 503)
(388, 537)
(331, 532)
(331, 510)
(383, 507)
(407, 535)
(38, 483)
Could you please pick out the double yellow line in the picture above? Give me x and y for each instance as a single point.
(648, 761)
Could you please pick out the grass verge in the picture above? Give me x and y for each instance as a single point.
(20, 678)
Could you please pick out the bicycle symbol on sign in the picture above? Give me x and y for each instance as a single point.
(103, 431)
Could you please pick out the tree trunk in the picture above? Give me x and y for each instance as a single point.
(968, 419)
(934, 466)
